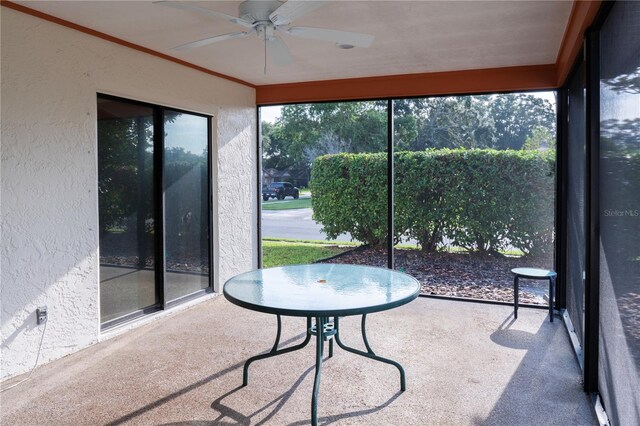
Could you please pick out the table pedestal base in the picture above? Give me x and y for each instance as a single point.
(324, 330)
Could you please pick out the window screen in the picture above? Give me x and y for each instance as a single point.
(619, 359)
(575, 201)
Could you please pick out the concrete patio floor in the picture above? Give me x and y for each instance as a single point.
(466, 364)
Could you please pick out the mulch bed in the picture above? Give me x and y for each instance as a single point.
(470, 275)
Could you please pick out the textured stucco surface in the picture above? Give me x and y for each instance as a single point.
(49, 253)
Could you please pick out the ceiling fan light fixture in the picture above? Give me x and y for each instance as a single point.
(267, 19)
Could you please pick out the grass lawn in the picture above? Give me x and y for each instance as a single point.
(321, 242)
(304, 203)
(279, 253)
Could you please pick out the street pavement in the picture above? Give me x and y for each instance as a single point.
(294, 223)
(298, 224)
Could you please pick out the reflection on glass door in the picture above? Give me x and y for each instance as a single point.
(154, 204)
(186, 195)
(125, 184)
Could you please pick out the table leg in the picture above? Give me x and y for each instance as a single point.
(515, 296)
(274, 350)
(331, 348)
(552, 289)
(320, 322)
(369, 353)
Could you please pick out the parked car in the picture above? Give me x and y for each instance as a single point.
(279, 190)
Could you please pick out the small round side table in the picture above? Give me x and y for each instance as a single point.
(533, 274)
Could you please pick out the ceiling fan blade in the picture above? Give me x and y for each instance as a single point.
(340, 37)
(294, 9)
(186, 6)
(279, 52)
(214, 39)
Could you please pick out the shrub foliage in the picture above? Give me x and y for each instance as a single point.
(350, 195)
(479, 199)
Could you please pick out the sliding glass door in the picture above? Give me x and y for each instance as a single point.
(126, 195)
(186, 206)
(154, 203)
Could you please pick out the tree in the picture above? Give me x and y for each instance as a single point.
(487, 121)
(540, 139)
(516, 115)
(275, 148)
(328, 143)
(455, 122)
(304, 130)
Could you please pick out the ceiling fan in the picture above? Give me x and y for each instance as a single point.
(267, 18)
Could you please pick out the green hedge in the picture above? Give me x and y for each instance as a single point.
(482, 200)
(350, 195)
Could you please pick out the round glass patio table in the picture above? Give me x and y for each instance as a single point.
(323, 292)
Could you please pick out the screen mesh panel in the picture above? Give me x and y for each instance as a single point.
(619, 358)
(575, 201)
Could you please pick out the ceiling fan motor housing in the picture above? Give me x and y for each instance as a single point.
(258, 10)
(263, 18)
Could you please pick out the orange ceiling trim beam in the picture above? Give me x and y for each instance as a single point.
(534, 77)
(86, 30)
(583, 13)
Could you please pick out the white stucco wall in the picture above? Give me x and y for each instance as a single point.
(49, 242)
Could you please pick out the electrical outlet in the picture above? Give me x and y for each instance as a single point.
(41, 315)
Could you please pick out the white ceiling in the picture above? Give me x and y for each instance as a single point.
(411, 36)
